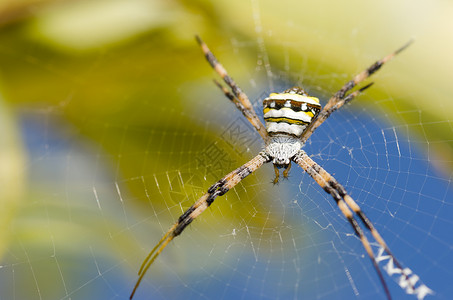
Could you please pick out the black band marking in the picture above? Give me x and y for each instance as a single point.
(182, 225)
(376, 66)
(186, 214)
(211, 59)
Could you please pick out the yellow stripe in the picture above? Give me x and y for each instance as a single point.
(286, 120)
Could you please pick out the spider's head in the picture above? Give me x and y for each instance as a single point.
(289, 112)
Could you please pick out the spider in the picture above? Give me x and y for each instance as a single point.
(291, 117)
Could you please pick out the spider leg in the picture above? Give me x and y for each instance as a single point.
(346, 203)
(237, 96)
(365, 74)
(341, 97)
(249, 115)
(357, 210)
(218, 189)
(326, 112)
(277, 174)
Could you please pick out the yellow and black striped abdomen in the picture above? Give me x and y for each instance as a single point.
(289, 112)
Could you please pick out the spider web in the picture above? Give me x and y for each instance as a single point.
(101, 186)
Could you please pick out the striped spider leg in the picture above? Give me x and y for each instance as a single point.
(329, 184)
(341, 97)
(238, 97)
(346, 203)
(218, 189)
(290, 118)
